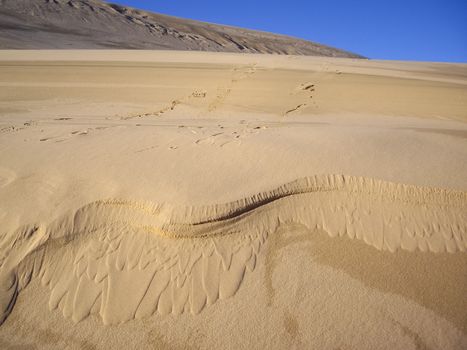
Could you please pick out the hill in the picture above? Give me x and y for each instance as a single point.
(93, 24)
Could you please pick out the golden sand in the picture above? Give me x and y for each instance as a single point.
(206, 200)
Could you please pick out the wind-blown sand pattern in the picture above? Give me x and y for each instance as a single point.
(182, 259)
(158, 200)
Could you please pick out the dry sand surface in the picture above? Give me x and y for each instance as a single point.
(182, 200)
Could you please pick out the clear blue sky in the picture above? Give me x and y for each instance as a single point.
(422, 30)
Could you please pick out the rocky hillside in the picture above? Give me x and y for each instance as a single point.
(94, 24)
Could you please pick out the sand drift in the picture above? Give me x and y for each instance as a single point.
(182, 259)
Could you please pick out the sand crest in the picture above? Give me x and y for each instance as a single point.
(126, 260)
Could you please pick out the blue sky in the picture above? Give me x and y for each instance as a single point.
(422, 30)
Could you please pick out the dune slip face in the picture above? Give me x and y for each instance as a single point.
(124, 260)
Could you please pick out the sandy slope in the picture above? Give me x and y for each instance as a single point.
(96, 24)
(202, 200)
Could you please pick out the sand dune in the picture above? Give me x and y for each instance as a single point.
(173, 199)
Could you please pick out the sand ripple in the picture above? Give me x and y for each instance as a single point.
(126, 259)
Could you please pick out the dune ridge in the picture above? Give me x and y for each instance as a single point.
(188, 257)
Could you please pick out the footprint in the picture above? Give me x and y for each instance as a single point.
(199, 94)
(308, 86)
(222, 94)
(146, 149)
(171, 107)
(300, 106)
(12, 128)
(79, 132)
(238, 73)
(158, 113)
(9, 128)
(210, 139)
(308, 89)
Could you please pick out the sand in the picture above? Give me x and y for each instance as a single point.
(212, 200)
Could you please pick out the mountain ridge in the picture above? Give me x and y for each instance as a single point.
(94, 24)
